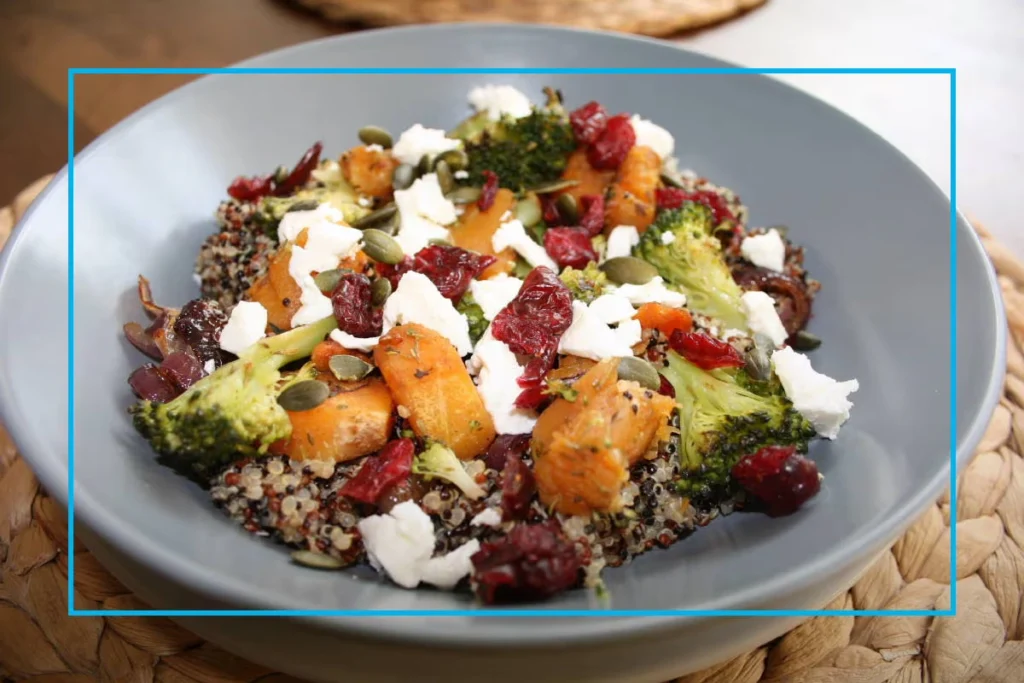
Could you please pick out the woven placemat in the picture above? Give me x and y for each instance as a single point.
(648, 17)
(984, 643)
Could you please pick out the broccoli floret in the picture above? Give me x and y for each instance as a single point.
(331, 188)
(440, 461)
(694, 263)
(231, 413)
(468, 307)
(587, 284)
(723, 416)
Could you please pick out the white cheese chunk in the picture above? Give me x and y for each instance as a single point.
(294, 222)
(416, 300)
(461, 174)
(445, 571)
(489, 517)
(612, 308)
(589, 337)
(497, 371)
(621, 241)
(374, 148)
(762, 316)
(654, 291)
(494, 294)
(513, 234)
(652, 135)
(668, 238)
(418, 141)
(500, 100)
(629, 334)
(348, 341)
(314, 305)
(399, 543)
(423, 212)
(209, 366)
(246, 326)
(767, 250)
(818, 397)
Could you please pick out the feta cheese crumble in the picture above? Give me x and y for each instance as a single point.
(497, 370)
(326, 244)
(767, 250)
(513, 234)
(762, 316)
(654, 291)
(423, 212)
(209, 366)
(418, 141)
(668, 238)
(348, 341)
(246, 326)
(500, 100)
(445, 571)
(416, 300)
(489, 517)
(374, 148)
(818, 397)
(589, 337)
(621, 241)
(652, 135)
(494, 294)
(294, 222)
(612, 308)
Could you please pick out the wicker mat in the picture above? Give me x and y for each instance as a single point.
(985, 642)
(649, 17)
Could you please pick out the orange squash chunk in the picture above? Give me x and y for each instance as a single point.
(476, 229)
(369, 171)
(591, 180)
(631, 198)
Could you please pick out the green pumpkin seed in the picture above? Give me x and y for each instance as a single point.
(423, 166)
(758, 364)
(379, 216)
(554, 186)
(389, 227)
(403, 176)
(349, 368)
(380, 290)
(444, 177)
(328, 280)
(382, 247)
(375, 135)
(528, 211)
(805, 341)
(308, 558)
(633, 369)
(627, 270)
(568, 209)
(672, 181)
(455, 158)
(303, 205)
(464, 195)
(304, 395)
(439, 242)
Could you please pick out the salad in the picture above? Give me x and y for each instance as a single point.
(495, 359)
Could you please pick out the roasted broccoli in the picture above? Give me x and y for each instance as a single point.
(694, 263)
(468, 307)
(587, 284)
(724, 415)
(331, 188)
(440, 461)
(231, 413)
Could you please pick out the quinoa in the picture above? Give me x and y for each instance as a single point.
(232, 259)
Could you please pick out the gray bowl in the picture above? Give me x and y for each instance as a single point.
(876, 232)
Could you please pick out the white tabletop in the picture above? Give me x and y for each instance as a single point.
(982, 39)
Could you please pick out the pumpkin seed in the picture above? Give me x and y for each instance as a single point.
(568, 209)
(805, 341)
(304, 395)
(328, 280)
(349, 368)
(627, 270)
(444, 177)
(464, 195)
(303, 205)
(438, 241)
(380, 215)
(403, 176)
(554, 186)
(455, 158)
(633, 369)
(375, 135)
(308, 558)
(380, 290)
(758, 364)
(382, 247)
(672, 181)
(423, 166)
(528, 211)
(389, 227)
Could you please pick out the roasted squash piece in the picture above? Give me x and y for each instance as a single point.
(369, 171)
(591, 181)
(431, 385)
(476, 229)
(631, 198)
(277, 291)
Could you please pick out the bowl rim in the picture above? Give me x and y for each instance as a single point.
(603, 625)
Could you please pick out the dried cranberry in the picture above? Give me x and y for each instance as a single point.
(517, 488)
(250, 189)
(533, 562)
(779, 477)
(199, 325)
(394, 273)
(183, 369)
(570, 247)
(503, 447)
(352, 306)
(549, 210)
(300, 174)
(533, 322)
(392, 465)
(592, 219)
(704, 351)
(611, 147)
(534, 394)
(489, 191)
(451, 269)
(666, 388)
(673, 198)
(588, 122)
(150, 384)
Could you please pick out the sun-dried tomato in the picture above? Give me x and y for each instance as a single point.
(451, 269)
(353, 309)
(673, 198)
(394, 273)
(533, 322)
(488, 192)
(570, 247)
(779, 477)
(533, 562)
(381, 472)
(252, 188)
(517, 488)
(592, 219)
(588, 122)
(611, 147)
(705, 351)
